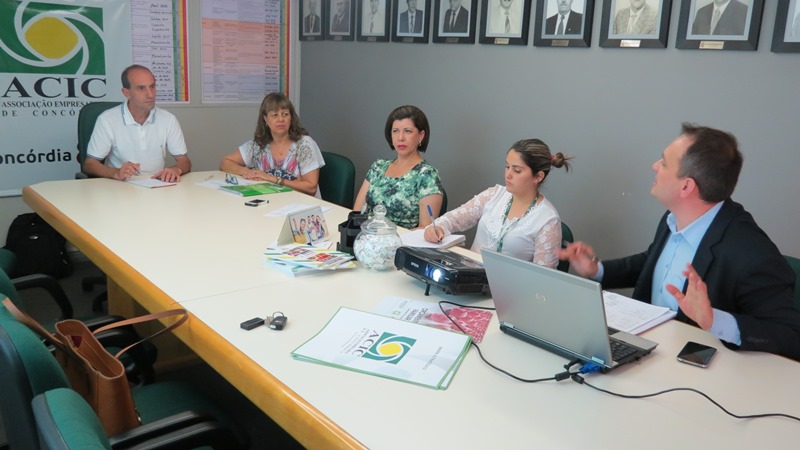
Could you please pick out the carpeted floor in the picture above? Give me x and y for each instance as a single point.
(260, 428)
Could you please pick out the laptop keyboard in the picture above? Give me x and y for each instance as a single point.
(620, 350)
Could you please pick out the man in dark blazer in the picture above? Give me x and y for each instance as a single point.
(311, 22)
(456, 19)
(405, 18)
(340, 22)
(574, 20)
(709, 260)
(731, 20)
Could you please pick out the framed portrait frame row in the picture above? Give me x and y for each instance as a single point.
(703, 24)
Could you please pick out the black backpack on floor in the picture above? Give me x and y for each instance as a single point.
(38, 247)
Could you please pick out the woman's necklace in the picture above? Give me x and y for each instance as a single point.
(508, 225)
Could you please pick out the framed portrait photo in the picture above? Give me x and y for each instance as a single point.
(454, 21)
(707, 25)
(786, 36)
(563, 23)
(312, 20)
(505, 22)
(340, 22)
(411, 21)
(635, 23)
(373, 20)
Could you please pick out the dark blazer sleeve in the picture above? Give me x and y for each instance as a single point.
(403, 21)
(702, 20)
(733, 19)
(748, 277)
(575, 23)
(462, 20)
(550, 25)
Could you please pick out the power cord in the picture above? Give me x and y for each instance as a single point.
(590, 367)
(576, 377)
(558, 377)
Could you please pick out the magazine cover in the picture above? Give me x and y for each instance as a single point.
(473, 321)
(312, 257)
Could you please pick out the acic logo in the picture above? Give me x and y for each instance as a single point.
(42, 38)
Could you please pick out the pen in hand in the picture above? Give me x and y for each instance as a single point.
(433, 223)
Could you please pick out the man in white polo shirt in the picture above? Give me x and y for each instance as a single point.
(135, 137)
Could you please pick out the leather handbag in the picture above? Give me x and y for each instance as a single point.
(93, 372)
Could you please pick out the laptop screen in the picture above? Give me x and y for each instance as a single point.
(558, 311)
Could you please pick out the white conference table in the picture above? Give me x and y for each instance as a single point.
(202, 249)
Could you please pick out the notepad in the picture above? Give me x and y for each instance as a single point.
(150, 182)
(416, 238)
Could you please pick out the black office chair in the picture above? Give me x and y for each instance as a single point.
(794, 263)
(566, 237)
(337, 179)
(87, 118)
(138, 361)
(29, 369)
(443, 208)
(65, 421)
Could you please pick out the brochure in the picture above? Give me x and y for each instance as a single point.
(293, 270)
(312, 257)
(385, 347)
(248, 190)
(632, 316)
(473, 321)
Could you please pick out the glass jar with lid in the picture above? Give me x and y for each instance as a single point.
(378, 241)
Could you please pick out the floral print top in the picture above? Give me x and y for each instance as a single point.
(304, 156)
(401, 195)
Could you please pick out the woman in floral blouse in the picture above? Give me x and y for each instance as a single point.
(280, 152)
(515, 219)
(406, 185)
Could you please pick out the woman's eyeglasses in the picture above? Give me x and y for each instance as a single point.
(231, 179)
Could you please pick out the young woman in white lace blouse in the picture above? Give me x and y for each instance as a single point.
(515, 219)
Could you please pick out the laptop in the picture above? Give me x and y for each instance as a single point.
(559, 312)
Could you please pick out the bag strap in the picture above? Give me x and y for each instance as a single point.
(33, 325)
(147, 318)
(54, 340)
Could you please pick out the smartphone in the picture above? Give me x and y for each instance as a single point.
(696, 354)
(255, 202)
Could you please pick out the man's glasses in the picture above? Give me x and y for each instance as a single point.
(231, 179)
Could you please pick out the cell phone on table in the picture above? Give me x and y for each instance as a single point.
(256, 202)
(699, 355)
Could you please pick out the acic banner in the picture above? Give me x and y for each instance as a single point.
(54, 58)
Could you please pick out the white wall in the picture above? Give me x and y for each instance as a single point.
(613, 109)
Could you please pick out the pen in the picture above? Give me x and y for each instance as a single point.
(433, 223)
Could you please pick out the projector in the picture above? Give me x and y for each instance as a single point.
(449, 271)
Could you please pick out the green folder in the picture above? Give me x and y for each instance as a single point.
(249, 190)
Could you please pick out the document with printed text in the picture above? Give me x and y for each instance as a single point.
(368, 343)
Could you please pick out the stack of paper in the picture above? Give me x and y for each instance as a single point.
(376, 345)
(150, 182)
(416, 238)
(632, 316)
(301, 259)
